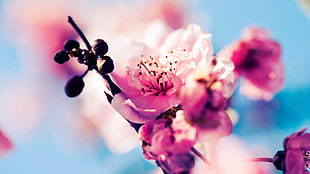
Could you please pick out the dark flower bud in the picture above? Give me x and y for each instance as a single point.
(279, 160)
(76, 53)
(61, 57)
(71, 44)
(106, 65)
(100, 47)
(91, 60)
(81, 59)
(74, 86)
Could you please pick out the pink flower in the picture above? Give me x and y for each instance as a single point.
(204, 98)
(167, 137)
(152, 80)
(169, 141)
(297, 157)
(257, 58)
(5, 144)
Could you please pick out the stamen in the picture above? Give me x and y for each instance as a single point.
(156, 71)
(141, 63)
(156, 64)
(161, 86)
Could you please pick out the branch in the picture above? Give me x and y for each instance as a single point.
(78, 30)
(203, 158)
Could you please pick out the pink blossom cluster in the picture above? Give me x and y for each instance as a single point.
(174, 93)
(169, 142)
(178, 93)
(257, 58)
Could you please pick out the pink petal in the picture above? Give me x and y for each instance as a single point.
(121, 105)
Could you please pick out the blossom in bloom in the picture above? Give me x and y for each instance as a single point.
(204, 98)
(257, 58)
(154, 75)
(5, 144)
(297, 157)
(169, 142)
(165, 137)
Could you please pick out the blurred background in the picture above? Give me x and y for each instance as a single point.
(52, 133)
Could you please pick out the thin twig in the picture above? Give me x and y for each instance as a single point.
(269, 160)
(203, 158)
(78, 30)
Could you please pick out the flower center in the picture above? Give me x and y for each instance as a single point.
(160, 75)
(154, 78)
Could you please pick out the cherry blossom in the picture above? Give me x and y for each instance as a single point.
(153, 76)
(257, 58)
(169, 143)
(166, 137)
(204, 98)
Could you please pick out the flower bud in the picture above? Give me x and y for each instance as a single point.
(100, 47)
(74, 86)
(61, 57)
(279, 160)
(106, 65)
(71, 44)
